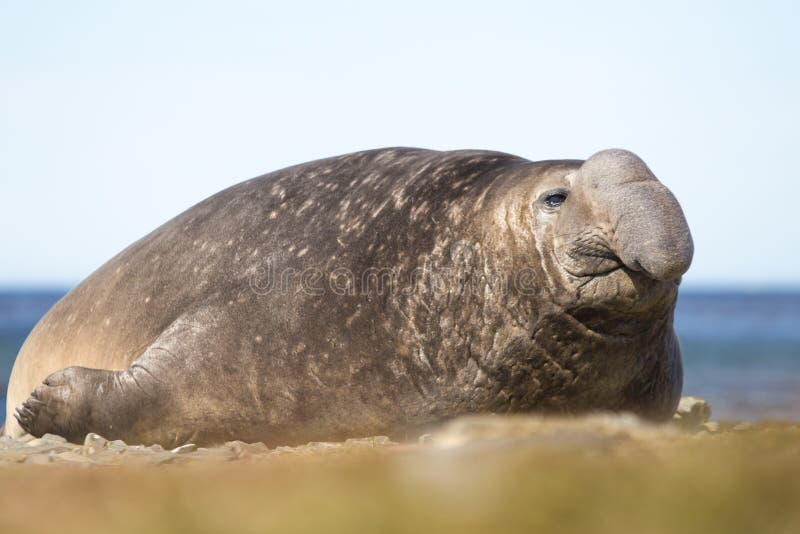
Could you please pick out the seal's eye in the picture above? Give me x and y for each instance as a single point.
(554, 199)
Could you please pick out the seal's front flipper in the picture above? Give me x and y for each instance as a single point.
(77, 400)
(178, 390)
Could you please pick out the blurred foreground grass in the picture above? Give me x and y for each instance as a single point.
(730, 482)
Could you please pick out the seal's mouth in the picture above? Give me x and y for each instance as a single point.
(618, 306)
(624, 292)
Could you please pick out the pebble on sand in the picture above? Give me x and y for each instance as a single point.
(598, 432)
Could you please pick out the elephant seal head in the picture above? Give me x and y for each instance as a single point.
(610, 243)
(619, 217)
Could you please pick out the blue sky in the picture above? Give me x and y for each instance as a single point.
(116, 116)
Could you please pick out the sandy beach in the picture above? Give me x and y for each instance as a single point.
(599, 473)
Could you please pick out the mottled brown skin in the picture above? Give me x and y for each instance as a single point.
(181, 337)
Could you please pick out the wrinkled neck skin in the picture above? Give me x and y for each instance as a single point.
(598, 279)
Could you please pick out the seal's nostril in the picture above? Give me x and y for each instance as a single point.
(635, 266)
(664, 268)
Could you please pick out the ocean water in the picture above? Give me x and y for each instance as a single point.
(741, 350)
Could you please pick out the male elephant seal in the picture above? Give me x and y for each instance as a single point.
(375, 292)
